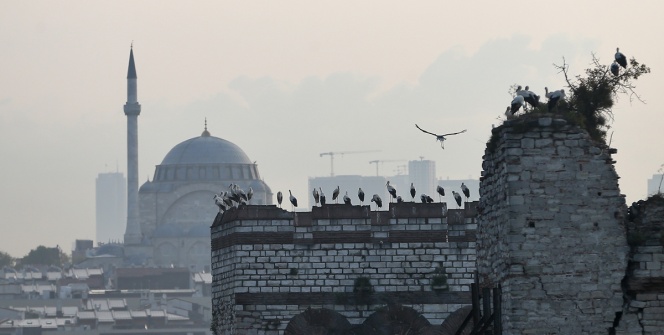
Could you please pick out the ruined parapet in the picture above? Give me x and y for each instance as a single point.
(551, 229)
(644, 284)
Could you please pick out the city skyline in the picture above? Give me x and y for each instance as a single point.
(286, 85)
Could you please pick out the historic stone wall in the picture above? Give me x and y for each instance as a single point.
(269, 265)
(551, 229)
(644, 285)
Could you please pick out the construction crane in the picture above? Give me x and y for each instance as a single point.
(381, 161)
(331, 154)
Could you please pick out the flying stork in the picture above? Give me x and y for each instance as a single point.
(440, 138)
(620, 58)
(391, 190)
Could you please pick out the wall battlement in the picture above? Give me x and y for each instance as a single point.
(270, 265)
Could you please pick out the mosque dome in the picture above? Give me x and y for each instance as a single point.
(206, 149)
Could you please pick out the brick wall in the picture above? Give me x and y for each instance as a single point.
(270, 265)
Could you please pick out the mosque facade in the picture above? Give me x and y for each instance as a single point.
(176, 207)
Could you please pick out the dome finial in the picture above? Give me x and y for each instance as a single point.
(205, 133)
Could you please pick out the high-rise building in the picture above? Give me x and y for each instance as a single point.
(111, 207)
(654, 184)
(422, 174)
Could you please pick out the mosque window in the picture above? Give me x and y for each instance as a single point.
(201, 173)
(171, 173)
(182, 173)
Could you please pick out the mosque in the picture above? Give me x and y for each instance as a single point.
(168, 218)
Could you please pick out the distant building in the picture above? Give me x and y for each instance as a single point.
(654, 184)
(111, 207)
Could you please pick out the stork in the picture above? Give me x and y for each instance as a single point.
(250, 194)
(508, 113)
(316, 196)
(440, 138)
(346, 199)
(293, 200)
(360, 194)
(280, 198)
(335, 195)
(376, 198)
(322, 197)
(441, 192)
(530, 97)
(219, 201)
(615, 68)
(426, 199)
(554, 97)
(399, 199)
(517, 103)
(465, 190)
(457, 198)
(620, 58)
(391, 190)
(412, 191)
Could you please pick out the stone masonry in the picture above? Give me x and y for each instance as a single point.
(270, 265)
(551, 230)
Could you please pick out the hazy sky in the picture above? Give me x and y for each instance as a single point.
(287, 80)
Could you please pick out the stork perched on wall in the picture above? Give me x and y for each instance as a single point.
(440, 138)
(293, 200)
(376, 198)
(280, 198)
(441, 192)
(529, 96)
(360, 195)
(335, 195)
(465, 191)
(391, 190)
(346, 199)
(620, 58)
(457, 198)
(412, 191)
(316, 196)
(425, 199)
(554, 97)
(322, 197)
(516, 103)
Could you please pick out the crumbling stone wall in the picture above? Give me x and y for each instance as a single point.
(644, 285)
(551, 229)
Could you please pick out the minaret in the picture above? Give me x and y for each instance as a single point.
(132, 109)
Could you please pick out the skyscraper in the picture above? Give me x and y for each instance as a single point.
(111, 207)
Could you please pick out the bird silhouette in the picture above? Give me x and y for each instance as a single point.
(440, 138)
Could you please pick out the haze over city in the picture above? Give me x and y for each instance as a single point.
(287, 81)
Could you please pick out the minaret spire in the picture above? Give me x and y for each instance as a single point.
(132, 109)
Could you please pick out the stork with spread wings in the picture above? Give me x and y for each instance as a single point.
(441, 137)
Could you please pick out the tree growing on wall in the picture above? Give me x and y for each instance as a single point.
(592, 96)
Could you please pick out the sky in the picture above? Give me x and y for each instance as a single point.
(286, 81)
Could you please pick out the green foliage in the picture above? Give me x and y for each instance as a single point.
(6, 259)
(43, 256)
(593, 95)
